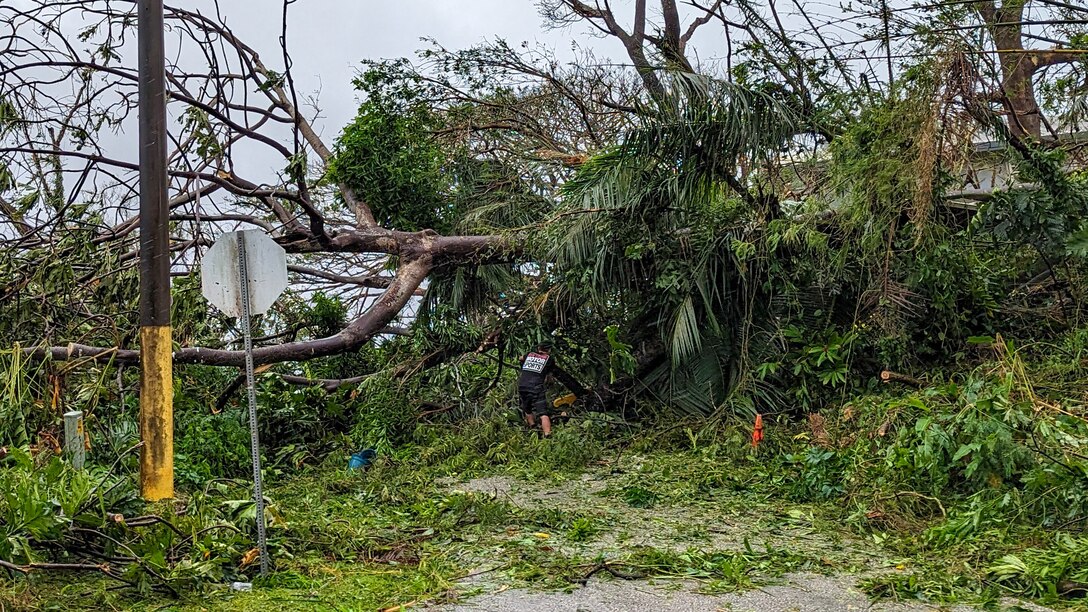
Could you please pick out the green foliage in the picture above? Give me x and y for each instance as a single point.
(384, 414)
(305, 418)
(477, 447)
(198, 126)
(936, 587)
(820, 474)
(389, 156)
(38, 503)
(325, 315)
(880, 167)
(813, 365)
(917, 283)
(1049, 573)
(16, 398)
(1048, 213)
(620, 360)
(978, 445)
(51, 513)
(723, 571)
(46, 286)
(299, 425)
(656, 237)
(983, 512)
(210, 446)
(409, 156)
(639, 497)
(582, 529)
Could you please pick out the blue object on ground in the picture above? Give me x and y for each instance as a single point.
(362, 459)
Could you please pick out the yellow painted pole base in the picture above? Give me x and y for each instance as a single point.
(156, 413)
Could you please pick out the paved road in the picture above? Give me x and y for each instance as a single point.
(802, 593)
(664, 528)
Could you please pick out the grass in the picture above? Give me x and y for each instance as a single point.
(326, 586)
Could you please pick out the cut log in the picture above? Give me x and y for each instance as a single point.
(887, 376)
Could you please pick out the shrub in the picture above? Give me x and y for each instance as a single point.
(384, 413)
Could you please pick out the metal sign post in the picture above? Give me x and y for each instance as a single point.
(254, 442)
(242, 275)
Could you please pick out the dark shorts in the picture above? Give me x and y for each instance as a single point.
(533, 400)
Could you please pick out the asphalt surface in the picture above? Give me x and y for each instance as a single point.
(801, 593)
(728, 527)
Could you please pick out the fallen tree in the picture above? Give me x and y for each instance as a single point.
(232, 104)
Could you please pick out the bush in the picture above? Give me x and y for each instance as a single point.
(384, 414)
(209, 446)
(51, 513)
(820, 474)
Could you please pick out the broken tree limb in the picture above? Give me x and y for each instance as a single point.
(68, 567)
(887, 376)
(433, 409)
(104, 569)
(357, 333)
(419, 252)
(331, 385)
(613, 569)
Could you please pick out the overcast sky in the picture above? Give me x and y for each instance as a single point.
(328, 38)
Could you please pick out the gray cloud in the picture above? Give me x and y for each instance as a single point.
(328, 38)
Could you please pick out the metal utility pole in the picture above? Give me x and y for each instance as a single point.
(885, 15)
(156, 351)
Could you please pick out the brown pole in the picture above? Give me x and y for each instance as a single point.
(156, 367)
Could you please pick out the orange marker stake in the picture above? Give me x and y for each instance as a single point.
(757, 431)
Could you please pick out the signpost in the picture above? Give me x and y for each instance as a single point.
(243, 274)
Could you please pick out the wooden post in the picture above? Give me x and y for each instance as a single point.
(156, 350)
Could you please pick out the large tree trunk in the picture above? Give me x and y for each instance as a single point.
(1017, 69)
(1018, 65)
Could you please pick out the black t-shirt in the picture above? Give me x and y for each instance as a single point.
(535, 368)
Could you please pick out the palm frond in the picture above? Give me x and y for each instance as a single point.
(652, 224)
(702, 385)
(686, 337)
(467, 290)
(711, 124)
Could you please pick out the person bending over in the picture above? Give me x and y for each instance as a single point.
(536, 368)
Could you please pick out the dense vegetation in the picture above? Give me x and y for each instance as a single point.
(783, 238)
